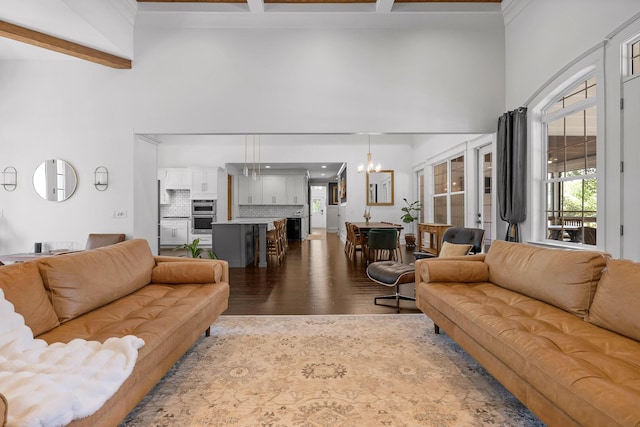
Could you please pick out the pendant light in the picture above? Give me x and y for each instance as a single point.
(245, 169)
(370, 167)
(254, 176)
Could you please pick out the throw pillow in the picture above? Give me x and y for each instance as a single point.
(452, 249)
(617, 301)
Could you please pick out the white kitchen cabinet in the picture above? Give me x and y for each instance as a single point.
(249, 191)
(296, 190)
(204, 184)
(174, 232)
(206, 240)
(274, 190)
(163, 194)
(177, 178)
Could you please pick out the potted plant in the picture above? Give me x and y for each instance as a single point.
(195, 251)
(408, 217)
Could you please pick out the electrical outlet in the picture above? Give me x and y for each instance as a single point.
(119, 214)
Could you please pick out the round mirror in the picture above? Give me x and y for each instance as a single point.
(55, 180)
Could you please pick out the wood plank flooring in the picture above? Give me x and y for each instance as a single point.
(316, 277)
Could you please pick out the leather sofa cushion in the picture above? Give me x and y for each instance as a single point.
(154, 313)
(616, 305)
(80, 282)
(23, 287)
(564, 278)
(187, 272)
(587, 370)
(454, 271)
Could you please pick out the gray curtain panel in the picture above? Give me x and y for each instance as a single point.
(512, 170)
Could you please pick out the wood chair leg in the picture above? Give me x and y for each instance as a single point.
(207, 333)
(436, 329)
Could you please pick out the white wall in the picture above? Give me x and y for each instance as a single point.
(543, 36)
(409, 76)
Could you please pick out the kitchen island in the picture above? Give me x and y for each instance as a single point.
(234, 240)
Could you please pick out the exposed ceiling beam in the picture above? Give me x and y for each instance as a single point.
(256, 5)
(45, 41)
(384, 6)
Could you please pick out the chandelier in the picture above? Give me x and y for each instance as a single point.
(370, 166)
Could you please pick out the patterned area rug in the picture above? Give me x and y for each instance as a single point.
(312, 371)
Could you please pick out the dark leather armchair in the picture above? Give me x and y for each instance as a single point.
(460, 236)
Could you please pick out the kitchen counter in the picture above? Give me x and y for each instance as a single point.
(234, 240)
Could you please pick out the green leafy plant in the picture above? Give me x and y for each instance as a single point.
(196, 252)
(410, 211)
(408, 217)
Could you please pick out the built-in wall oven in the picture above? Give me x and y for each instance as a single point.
(203, 213)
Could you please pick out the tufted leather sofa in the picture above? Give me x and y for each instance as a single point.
(558, 328)
(115, 291)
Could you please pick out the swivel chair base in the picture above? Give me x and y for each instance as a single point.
(392, 274)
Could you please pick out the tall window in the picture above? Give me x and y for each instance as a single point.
(448, 192)
(570, 179)
(635, 58)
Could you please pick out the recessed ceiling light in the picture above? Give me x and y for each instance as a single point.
(322, 174)
(267, 167)
(324, 166)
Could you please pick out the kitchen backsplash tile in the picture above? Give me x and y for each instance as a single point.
(179, 204)
(269, 211)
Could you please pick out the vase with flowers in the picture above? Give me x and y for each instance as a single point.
(367, 215)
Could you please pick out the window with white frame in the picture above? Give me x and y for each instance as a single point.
(448, 192)
(635, 58)
(570, 125)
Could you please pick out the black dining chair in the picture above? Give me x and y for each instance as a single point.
(382, 244)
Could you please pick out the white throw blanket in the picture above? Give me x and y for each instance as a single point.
(51, 385)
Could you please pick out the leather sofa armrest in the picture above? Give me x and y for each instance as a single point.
(454, 271)
(188, 272)
(3, 410)
(224, 265)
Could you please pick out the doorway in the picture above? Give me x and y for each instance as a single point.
(485, 194)
(318, 207)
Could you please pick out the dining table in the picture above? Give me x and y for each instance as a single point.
(364, 227)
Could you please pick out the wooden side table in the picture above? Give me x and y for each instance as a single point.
(435, 233)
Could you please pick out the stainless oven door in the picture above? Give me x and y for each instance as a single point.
(201, 224)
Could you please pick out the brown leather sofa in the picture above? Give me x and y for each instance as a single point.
(115, 291)
(558, 328)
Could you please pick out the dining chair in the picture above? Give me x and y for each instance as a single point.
(382, 244)
(98, 240)
(358, 242)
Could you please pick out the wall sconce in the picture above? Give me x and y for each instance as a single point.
(101, 178)
(9, 178)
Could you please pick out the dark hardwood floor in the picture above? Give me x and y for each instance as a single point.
(316, 277)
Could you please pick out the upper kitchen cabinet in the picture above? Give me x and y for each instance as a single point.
(296, 186)
(176, 178)
(163, 194)
(204, 183)
(274, 190)
(249, 191)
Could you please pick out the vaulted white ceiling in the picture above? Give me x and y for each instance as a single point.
(108, 25)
